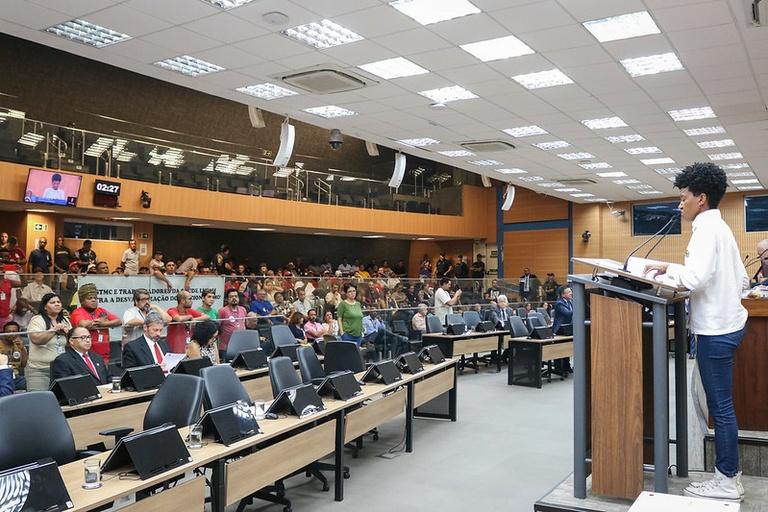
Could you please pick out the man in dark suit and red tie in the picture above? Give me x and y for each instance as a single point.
(78, 359)
(149, 348)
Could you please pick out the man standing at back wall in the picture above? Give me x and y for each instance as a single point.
(714, 273)
(130, 259)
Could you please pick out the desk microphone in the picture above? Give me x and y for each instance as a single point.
(672, 219)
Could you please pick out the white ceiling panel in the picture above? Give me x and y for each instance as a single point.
(558, 38)
(469, 29)
(331, 8)
(173, 11)
(229, 57)
(273, 47)
(32, 15)
(472, 74)
(359, 52)
(575, 57)
(447, 58)
(585, 10)
(684, 18)
(128, 21)
(184, 41)
(639, 46)
(726, 85)
(140, 50)
(75, 8)
(413, 41)
(226, 28)
(376, 21)
(533, 17)
(708, 37)
(253, 12)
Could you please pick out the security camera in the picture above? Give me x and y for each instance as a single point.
(336, 139)
(145, 200)
(586, 235)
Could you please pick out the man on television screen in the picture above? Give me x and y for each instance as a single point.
(54, 192)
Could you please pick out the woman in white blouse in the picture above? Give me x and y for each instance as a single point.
(47, 339)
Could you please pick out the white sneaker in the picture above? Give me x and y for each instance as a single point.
(719, 488)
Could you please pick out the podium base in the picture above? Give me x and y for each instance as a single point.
(560, 499)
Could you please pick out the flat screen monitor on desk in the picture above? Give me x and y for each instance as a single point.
(34, 487)
(149, 453)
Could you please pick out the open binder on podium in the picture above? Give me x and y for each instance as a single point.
(633, 274)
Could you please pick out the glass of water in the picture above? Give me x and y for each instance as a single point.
(92, 474)
(195, 436)
(259, 409)
(116, 385)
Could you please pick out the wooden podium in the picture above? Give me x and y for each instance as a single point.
(750, 369)
(621, 379)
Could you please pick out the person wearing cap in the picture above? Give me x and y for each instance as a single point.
(54, 191)
(47, 338)
(94, 318)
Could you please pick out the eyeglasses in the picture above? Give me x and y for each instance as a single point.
(87, 337)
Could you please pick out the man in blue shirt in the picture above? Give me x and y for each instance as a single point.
(377, 334)
(262, 307)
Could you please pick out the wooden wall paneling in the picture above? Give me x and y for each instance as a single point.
(616, 397)
(531, 206)
(541, 250)
(433, 248)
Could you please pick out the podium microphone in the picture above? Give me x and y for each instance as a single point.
(672, 219)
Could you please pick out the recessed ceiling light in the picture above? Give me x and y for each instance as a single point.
(394, 68)
(38, 210)
(708, 130)
(499, 48)
(347, 178)
(745, 182)
(456, 153)
(513, 170)
(187, 65)
(709, 144)
(555, 144)
(639, 187)
(525, 131)
(266, 91)
(657, 161)
(635, 24)
(330, 111)
(321, 233)
(596, 200)
(605, 122)
(125, 218)
(691, 114)
(595, 165)
(669, 170)
(740, 165)
(541, 79)
(423, 238)
(725, 156)
(530, 178)
(448, 94)
(550, 184)
(576, 156)
(626, 182)
(612, 174)
(751, 187)
(427, 12)
(87, 33)
(649, 192)
(373, 236)
(642, 151)
(199, 224)
(582, 194)
(567, 190)
(424, 141)
(620, 139)
(652, 64)
(261, 229)
(485, 162)
(228, 4)
(322, 34)
(740, 174)
(31, 139)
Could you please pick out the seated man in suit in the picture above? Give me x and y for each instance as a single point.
(149, 348)
(563, 315)
(79, 359)
(6, 377)
(502, 313)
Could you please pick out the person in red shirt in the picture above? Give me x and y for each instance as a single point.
(94, 318)
(8, 280)
(180, 332)
(16, 254)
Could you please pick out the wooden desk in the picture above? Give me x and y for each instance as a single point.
(470, 343)
(285, 445)
(526, 357)
(750, 369)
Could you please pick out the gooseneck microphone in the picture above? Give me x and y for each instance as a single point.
(668, 230)
(669, 223)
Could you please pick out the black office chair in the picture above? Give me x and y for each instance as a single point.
(33, 427)
(222, 387)
(543, 312)
(517, 327)
(536, 320)
(401, 327)
(343, 355)
(522, 312)
(309, 366)
(434, 325)
(241, 341)
(471, 319)
(453, 318)
(178, 401)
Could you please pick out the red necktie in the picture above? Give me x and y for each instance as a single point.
(90, 365)
(158, 354)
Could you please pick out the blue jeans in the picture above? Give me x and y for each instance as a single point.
(715, 358)
(348, 337)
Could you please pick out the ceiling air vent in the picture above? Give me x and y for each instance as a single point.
(487, 146)
(325, 80)
(577, 181)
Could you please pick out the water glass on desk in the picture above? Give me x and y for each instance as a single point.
(116, 387)
(92, 474)
(259, 409)
(195, 436)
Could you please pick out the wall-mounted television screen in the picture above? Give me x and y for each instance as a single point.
(52, 187)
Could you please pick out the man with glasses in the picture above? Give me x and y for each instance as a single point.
(79, 359)
(133, 317)
(94, 318)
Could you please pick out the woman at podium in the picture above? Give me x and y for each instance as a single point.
(714, 274)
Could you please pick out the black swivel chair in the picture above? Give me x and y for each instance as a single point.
(453, 318)
(282, 336)
(178, 401)
(434, 325)
(33, 427)
(517, 327)
(401, 327)
(343, 355)
(242, 340)
(222, 387)
(544, 313)
(309, 366)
